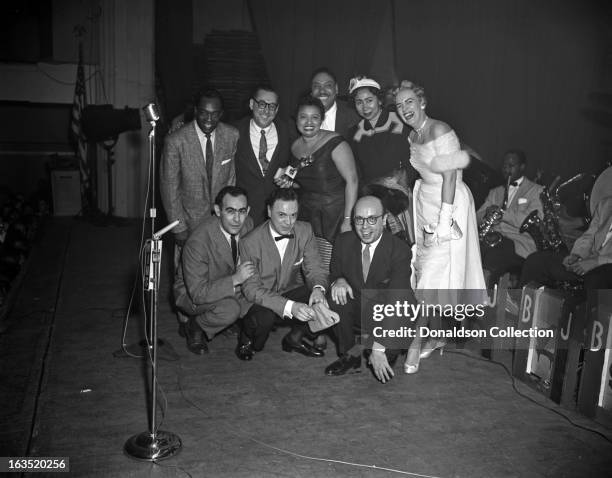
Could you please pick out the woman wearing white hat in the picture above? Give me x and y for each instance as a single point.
(382, 152)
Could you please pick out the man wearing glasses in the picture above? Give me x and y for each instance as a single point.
(197, 162)
(262, 148)
(369, 257)
(208, 282)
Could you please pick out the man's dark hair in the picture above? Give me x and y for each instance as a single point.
(208, 93)
(519, 153)
(263, 87)
(281, 194)
(233, 191)
(324, 69)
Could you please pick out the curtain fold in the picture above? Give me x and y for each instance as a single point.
(298, 37)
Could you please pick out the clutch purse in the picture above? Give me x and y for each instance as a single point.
(324, 318)
(431, 238)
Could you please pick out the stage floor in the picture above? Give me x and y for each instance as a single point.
(65, 394)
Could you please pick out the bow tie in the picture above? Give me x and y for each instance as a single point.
(513, 184)
(284, 236)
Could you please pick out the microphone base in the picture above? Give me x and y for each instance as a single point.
(146, 447)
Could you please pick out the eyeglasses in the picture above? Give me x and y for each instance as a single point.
(262, 105)
(370, 219)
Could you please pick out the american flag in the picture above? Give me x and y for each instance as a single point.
(76, 128)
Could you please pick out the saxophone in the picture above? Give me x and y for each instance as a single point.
(487, 237)
(492, 238)
(545, 231)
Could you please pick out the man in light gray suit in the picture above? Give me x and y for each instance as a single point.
(281, 249)
(197, 162)
(209, 278)
(518, 197)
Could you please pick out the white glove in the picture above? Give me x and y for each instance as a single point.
(445, 220)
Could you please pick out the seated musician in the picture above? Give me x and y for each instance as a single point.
(505, 248)
(590, 259)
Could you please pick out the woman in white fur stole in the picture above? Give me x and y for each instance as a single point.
(447, 254)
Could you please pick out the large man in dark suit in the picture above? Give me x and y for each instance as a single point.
(517, 199)
(197, 162)
(262, 148)
(339, 116)
(281, 249)
(368, 258)
(207, 286)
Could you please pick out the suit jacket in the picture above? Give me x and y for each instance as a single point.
(389, 266)
(204, 275)
(388, 280)
(184, 187)
(526, 199)
(248, 172)
(273, 278)
(590, 243)
(346, 117)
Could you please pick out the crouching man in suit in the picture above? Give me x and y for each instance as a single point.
(207, 286)
(368, 258)
(280, 249)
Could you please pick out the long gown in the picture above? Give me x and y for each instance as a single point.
(453, 264)
(321, 192)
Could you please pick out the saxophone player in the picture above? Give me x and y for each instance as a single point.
(516, 198)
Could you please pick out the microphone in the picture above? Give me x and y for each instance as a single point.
(164, 230)
(151, 112)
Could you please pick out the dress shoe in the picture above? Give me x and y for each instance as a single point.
(346, 363)
(303, 348)
(411, 366)
(430, 349)
(196, 340)
(245, 351)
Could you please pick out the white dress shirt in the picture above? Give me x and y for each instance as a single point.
(329, 123)
(203, 139)
(271, 140)
(513, 189)
(281, 246)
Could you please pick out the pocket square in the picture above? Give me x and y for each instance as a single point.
(522, 200)
(298, 262)
(226, 161)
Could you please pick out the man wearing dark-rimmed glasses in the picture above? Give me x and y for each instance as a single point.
(371, 258)
(263, 147)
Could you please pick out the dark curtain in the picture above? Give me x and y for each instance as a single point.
(297, 37)
(504, 74)
(512, 74)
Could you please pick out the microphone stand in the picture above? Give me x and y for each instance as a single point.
(154, 444)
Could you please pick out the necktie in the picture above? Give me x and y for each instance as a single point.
(263, 150)
(234, 248)
(284, 236)
(507, 199)
(209, 161)
(365, 262)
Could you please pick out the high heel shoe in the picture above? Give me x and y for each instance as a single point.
(410, 368)
(430, 350)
